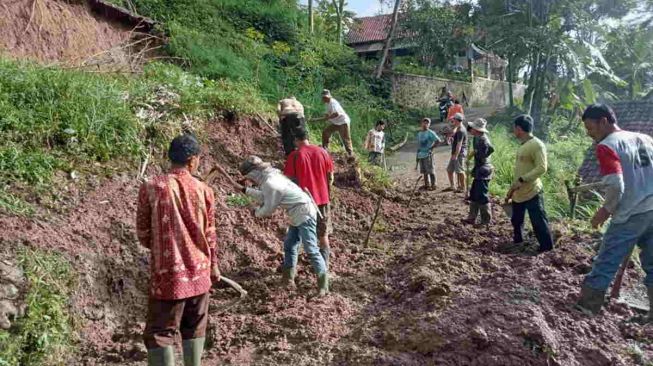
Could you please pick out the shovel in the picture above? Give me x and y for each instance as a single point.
(507, 204)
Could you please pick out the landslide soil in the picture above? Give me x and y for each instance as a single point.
(427, 291)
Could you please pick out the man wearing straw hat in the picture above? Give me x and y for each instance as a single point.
(482, 173)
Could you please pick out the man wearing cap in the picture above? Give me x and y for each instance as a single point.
(311, 168)
(526, 191)
(456, 167)
(291, 116)
(175, 221)
(275, 190)
(482, 173)
(339, 120)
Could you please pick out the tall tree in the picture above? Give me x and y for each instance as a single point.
(339, 5)
(311, 18)
(388, 40)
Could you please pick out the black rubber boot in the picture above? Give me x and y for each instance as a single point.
(473, 212)
(486, 214)
(591, 300)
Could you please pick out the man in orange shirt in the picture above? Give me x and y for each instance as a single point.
(455, 108)
(176, 222)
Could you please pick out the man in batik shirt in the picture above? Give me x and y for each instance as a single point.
(176, 222)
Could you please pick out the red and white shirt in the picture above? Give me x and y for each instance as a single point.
(626, 164)
(176, 221)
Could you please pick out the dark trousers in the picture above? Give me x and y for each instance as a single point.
(289, 123)
(479, 191)
(167, 318)
(535, 207)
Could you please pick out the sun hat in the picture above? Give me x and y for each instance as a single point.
(479, 124)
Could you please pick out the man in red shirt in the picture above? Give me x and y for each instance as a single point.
(311, 167)
(176, 222)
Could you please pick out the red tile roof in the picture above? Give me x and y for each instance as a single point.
(369, 29)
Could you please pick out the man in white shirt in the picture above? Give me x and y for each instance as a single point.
(375, 143)
(339, 120)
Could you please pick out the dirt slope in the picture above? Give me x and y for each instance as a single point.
(428, 291)
(56, 31)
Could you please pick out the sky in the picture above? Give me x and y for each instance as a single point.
(362, 7)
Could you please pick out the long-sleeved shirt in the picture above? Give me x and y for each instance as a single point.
(482, 151)
(531, 164)
(276, 190)
(176, 221)
(626, 164)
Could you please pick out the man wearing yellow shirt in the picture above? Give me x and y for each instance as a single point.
(526, 192)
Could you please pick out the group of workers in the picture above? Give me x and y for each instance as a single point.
(176, 211)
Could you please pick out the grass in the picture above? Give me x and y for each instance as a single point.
(239, 200)
(45, 335)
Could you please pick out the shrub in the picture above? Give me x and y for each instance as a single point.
(44, 336)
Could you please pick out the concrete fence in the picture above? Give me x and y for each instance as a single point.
(423, 91)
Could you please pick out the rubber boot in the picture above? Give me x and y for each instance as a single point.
(486, 214)
(326, 253)
(162, 356)
(473, 212)
(193, 349)
(323, 284)
(288, 277)
(591, 300)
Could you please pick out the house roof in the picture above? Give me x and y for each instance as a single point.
(369, 29)
(636, 116)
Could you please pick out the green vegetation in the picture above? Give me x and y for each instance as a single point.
(410, 65)
(238, 200)
(45, 335)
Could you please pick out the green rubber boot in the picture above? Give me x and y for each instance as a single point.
(326, 253)
(323, 284)
(193, 349)
(162, 356)
(591, 300)
(288, 277)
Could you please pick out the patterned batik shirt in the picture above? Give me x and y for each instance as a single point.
(176, 221)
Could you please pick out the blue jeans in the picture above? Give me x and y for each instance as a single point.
(618, 241)
(305, 233)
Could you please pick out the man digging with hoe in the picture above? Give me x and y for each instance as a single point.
(275, 190)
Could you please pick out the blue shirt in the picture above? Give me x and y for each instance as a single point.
(425, 140)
